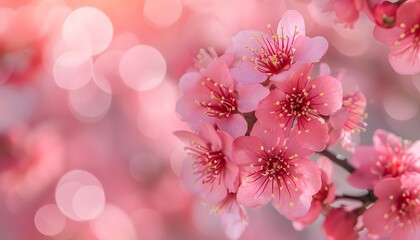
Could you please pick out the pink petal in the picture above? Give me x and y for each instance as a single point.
(227, 142)
(387, 187)
(364, 157)
(189, 82)
(231, 177)
(219, 72)
(338, 119)
(241, 43)
(404, 58)
(362, 179)
(209, 133)
(313, 135)
(192, 113)
(268, 136)
(387, 35)
(327, 95)
(292, 205)
(385, 141)
(234, 221)
(310, 50)
(267, 106)
(374, 219)
(249, 197)
(301, 222)
(188, 138)
(326, 166)
(309, 176)
(245, 150)
(245, 72)
(340, 224)
(331, 194)
(249, 96)
(291, 22)
(235, 125)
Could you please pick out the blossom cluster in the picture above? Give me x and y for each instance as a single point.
(397, 24)
(262, 110)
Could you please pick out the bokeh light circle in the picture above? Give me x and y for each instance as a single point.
(79, 195)
(49, 220)
(113, 224)
(88, 26)
(400, 105)
(89, 103)
(162, 13)
(72, 70)
(89, 202)
(142, 68)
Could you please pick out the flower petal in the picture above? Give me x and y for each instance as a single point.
(327, 95)
(235, 125)
(249, 96)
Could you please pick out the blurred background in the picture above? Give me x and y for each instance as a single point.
(87, 110)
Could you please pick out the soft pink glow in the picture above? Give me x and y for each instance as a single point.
(113, 224)
(88, 29)
(72, 70)
(49, 220)
(88, 202)
(162, 17)
(142, 68)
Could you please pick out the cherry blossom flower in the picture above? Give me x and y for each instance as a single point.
(389, 157)
(339, 224)
(274, 167)
(404, 39)
(209, 170)
(277, 55)
(324, 196)
(397, 211)
(233, 216)
(213, 96)
(346, 11)
(348, 122)
(298, 104)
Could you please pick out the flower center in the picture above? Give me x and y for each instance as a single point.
(274, 53)
(397, 163)
(297, 106)
(208, 164)
(404, 208)
(221, 102)
(273, 167)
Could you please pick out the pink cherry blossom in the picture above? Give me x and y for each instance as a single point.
(233, 216)
(298, 104)
(404, 39)
(389, 157)
(277, 55)
(324, 196)
(339, 225)
(209, 170)
(397, 211)
(348, 122)
(274, 167)
(346, 11)
(212, 96)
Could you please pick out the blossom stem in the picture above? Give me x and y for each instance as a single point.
(250, 119)
(342, 162)
(366, 199)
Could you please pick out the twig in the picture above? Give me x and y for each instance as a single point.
(340, 162)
